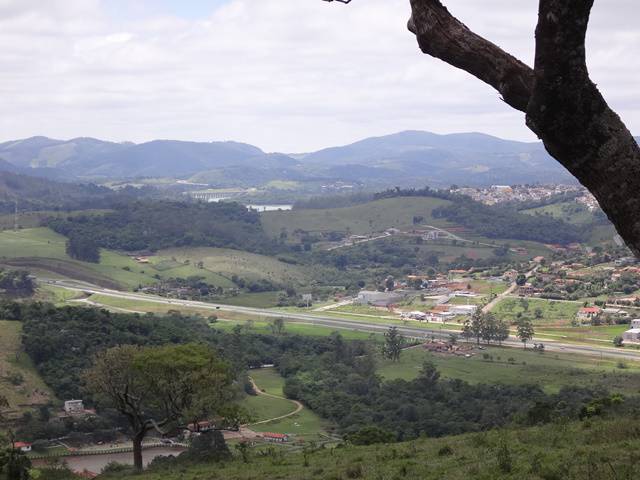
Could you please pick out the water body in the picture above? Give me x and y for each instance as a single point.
(95, 463)
(270, 208)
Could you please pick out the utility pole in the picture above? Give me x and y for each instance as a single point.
(15, 216)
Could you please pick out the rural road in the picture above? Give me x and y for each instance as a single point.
(257, 389)
(338, 322)
(489, 306)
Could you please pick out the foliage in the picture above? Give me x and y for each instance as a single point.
(83, 248)
(160, 388)
(393, 343)
(501, 222)
(16, 282)
(525, 330)
(152, 225)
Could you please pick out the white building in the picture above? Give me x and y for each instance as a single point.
(633, 334)
(463, 309)
(73, 407)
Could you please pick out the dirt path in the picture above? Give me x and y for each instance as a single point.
(298, 405)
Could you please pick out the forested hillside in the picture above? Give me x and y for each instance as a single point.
(147, 225)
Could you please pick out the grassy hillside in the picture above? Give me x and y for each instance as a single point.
(19, 381)
(226, 262)
(580, 450)
(516, 367)
(41, 249)
(362, 219)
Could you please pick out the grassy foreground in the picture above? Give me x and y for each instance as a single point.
(593, 449)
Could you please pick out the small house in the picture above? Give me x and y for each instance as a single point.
(275, 437)
(587, 313)
(22, 446)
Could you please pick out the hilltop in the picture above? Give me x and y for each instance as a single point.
(411, 158)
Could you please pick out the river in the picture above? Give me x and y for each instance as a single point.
(95, 463)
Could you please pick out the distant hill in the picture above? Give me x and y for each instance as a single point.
(411, 158)
(440, 160)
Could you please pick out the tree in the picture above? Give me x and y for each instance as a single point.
(277, 326)
(393, 343)
(563, 107)
(525, 330)
(473, 327)
(83, 248)
(160, 388)
(618, 341)
(502, 331)
(521, 279)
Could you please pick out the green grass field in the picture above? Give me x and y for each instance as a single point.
(570, 212)
(31, 390)
(44, 250)
(363, 219)
(553, 312)
(304, 424)
(549, 370)
(225, 263)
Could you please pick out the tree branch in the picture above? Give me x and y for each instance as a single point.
(572, 118)
(443, 36)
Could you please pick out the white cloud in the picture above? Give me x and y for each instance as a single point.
(287, 75)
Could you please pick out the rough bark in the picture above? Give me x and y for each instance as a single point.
(137, 451)
(562, 105)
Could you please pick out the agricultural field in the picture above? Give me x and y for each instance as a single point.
(364, 219)
(41, 249)
(20, 384)
(294, 328)
(226, 262)
(553, 312)
(304, 425)
(570, 212)
(517, 366)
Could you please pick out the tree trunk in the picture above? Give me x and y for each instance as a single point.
(137, 451)
(562, 105)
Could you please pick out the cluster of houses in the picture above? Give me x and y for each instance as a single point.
(510, 193)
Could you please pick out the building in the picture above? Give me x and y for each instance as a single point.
(201, 427)
(74, 407)
(587, 313)
(378, 299)
(22, 446)
(631, 336)
(275, 437)
(462, 309)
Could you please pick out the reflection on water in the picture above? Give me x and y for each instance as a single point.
(95, 463)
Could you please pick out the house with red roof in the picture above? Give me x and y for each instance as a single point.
(22, 446)
(587, 313)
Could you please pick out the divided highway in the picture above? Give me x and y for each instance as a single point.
(314, 318)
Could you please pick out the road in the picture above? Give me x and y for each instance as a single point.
(489, 306)
(338, 322)
(258, 391)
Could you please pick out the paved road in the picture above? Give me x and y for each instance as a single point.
(418, 332)
(489, 306)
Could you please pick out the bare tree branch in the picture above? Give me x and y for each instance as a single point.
(442, 36)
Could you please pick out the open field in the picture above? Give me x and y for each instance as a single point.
(296, 328)
(570, 212)
(601, 335)
(250, 266)
(553, 312)
(549, 370)
(362, 219)
(304, 424)
(44, 250)
(27, 388)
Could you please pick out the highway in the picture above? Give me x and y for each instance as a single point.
(417, 332)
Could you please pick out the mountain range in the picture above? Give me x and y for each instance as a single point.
(408, 158)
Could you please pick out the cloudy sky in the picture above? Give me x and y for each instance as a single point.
(286, 75)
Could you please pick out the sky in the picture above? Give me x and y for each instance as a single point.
(285, 75)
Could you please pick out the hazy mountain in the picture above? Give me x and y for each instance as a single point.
(466, 158)
(405, 158)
